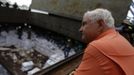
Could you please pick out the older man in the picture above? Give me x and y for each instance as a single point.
(107, 53)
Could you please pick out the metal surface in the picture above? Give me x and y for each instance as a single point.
(14, 69)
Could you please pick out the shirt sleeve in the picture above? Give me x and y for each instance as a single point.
(89, 65)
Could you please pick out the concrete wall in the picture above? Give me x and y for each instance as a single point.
(63, 25)
(76, 8)
(13, 16)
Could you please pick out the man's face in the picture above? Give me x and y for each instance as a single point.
(89, 30)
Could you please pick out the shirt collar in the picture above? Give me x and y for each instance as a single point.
(112, 30)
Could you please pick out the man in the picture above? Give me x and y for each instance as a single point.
(107, 53)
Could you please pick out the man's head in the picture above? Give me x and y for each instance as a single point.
(94, 23)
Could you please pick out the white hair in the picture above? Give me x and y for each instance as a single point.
(99, 14)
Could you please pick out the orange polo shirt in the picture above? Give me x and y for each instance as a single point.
(109, 54)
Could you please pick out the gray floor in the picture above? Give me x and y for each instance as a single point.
(3, 71)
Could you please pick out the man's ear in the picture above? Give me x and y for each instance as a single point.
(101, 24)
